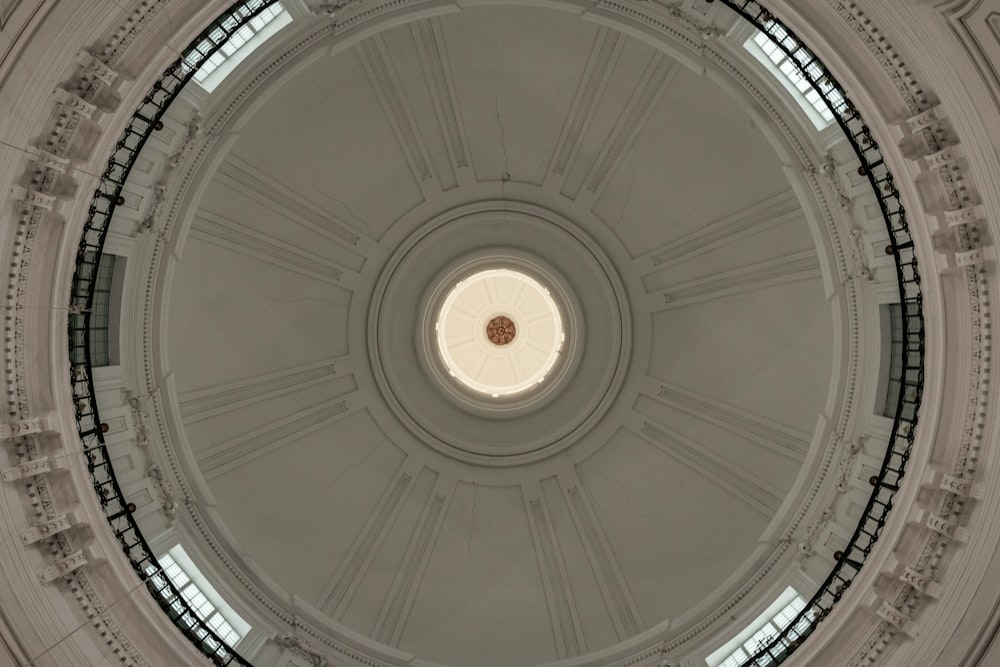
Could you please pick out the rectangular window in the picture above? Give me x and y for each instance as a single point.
(201, 597)
(767, 50)
(896, 368)
(105, 310)
(235, 46)
(764, 629)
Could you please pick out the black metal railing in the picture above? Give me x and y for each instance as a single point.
(145, 121)
(886, 483)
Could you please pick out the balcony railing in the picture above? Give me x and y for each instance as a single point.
(145, 121)
(884, 485)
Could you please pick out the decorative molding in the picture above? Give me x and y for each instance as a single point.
(601, 62)
(33, 198)
(779, 438)
(333, 10)
(337, 593)
(913, 93)
(897, 618)
(930, 129)
(49, 162)
(199, 404)
(567, 630)
(116, 43)
(300, 647)
(61, 567)
(75, 103)
(430, 40)
(703, 29)
(780, 209)
(140, 420)
(617, 597)
(153, 211)
(218, 459)
(794, 267)
(246, 180)
(23, 427)
(728, 476)
(830, 171)
(46, 160)
(27, 469)
(392, 620)
(168, 503)
(385, 82)
(862, 269)
(240, 239)
(97, 67)
(659, 73)
(40, 530)
(194, 127)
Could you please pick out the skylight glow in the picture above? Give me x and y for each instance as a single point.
(239, 44)
(764, 47)
(780, 615)
(499, 332)
(201, 597)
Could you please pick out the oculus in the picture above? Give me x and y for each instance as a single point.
(499, 332)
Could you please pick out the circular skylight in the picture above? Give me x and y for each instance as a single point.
(499, 332)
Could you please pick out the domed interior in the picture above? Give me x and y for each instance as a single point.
(304, 341)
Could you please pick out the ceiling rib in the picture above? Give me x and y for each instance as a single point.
(600, 63)
(779, 438)
(265, 190)
(728, 476)
(203, 403)
(231, 454)
(385, 83)
(430, 39)
(339, 590)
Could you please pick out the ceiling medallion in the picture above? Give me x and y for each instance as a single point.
(501, 330)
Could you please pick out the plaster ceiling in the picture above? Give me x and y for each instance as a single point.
(647, 484)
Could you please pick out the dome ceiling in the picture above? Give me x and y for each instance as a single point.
(645, 482)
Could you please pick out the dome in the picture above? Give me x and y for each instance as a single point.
(499, 334)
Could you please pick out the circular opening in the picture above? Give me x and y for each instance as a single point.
(499, 332)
